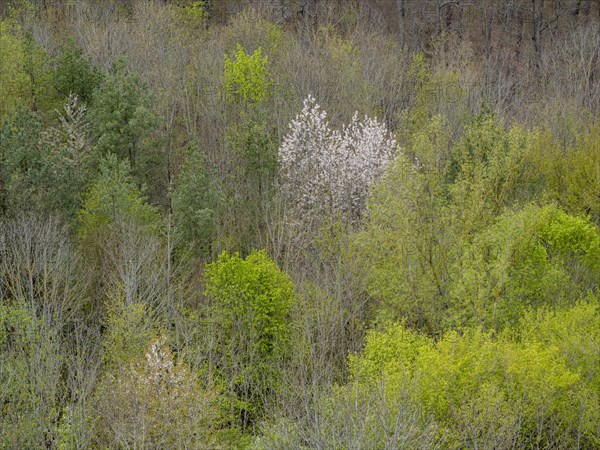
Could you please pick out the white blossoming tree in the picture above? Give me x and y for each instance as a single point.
(156, 402)
(328, 173)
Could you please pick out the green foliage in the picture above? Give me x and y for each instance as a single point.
(45, 170)
(31, 361)
(251, 304)
(13, 78)
(448, 193)
(533, 257)
(468, 379)
(194, 202)
(74, 73)
(247, 77)
(121, 114)
(408, 271)
(114, 198)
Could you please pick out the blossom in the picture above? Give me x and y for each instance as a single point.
(327, 172)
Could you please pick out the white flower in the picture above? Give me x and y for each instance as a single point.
(325, 171)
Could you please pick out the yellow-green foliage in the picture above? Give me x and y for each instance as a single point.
(13, 78)
(251, 304)
(392, 352)
(255, 291)
(528, 258)
(407, 243)
(575, 334)
(471, 376)
(569, 169)
(246, 76)
(129, 329)
(114, 198)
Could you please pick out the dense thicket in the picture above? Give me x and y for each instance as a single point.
(299, 224)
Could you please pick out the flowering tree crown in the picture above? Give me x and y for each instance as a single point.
(326, 171)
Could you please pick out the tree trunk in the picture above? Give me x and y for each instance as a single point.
(438, 17)
(309, 17)
(401, 13)
(488, 26)
(585, 7)
(461, 11)
(448, 17)
(536, 36)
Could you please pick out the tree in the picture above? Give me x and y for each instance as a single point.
(70, 157)
(43, 294)
(247, 76)
(251, 300)
(121, 233)
(31, 357)
(407, 244)
(327, 173)
(448, 194)
(155, 402)
(114, 198)
(45, 169)
(22, 164)
(251, 172)
(74, 73)
(516, 391)
(527, 259)
(195, 205)
(13, 78)
(486, 171)
(121, 114)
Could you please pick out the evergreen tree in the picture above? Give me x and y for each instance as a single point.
(75, 74)
(121, 114)
(195, 205)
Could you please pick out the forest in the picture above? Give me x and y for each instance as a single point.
(299, 224)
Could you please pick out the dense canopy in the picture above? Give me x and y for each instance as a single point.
(298, 224)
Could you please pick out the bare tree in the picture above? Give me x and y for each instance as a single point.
(401, 17)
